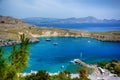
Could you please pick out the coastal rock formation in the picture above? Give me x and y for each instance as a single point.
(11, 29)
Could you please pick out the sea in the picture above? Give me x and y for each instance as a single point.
(45, 55)
(91, 27)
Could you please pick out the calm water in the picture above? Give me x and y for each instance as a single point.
(101, 27)
(46, 56)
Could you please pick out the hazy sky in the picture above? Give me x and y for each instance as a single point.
(61, 8)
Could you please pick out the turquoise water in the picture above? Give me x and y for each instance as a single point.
(46, 56)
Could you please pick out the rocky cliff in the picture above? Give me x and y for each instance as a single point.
(11, 28)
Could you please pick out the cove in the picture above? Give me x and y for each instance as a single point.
(44, 55)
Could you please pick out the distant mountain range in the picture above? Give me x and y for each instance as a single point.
(89, 19)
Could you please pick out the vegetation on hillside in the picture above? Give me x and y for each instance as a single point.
(113, 66)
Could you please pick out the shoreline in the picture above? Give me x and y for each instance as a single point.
(36, 40)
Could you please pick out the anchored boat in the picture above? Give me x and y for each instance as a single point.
(48, 39)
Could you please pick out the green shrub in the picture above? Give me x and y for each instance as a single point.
(113, 66)
(102, 64)
(83, 73)
(41, 75)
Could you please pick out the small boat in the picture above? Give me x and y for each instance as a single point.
(48, 39)
(62, 66)
(55, 43)
(89, 41)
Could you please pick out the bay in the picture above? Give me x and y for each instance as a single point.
(47, 56)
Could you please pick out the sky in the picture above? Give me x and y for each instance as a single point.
(102, 9)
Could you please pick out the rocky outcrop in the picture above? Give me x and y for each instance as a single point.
(12, 42)
(8, 42)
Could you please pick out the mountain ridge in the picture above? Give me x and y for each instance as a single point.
(89, 19)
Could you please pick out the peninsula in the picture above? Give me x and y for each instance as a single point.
(11, 28)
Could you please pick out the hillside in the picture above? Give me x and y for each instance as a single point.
(11, 28)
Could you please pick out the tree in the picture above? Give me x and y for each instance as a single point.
(9, 69)
(19, 57)
(3, 64)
